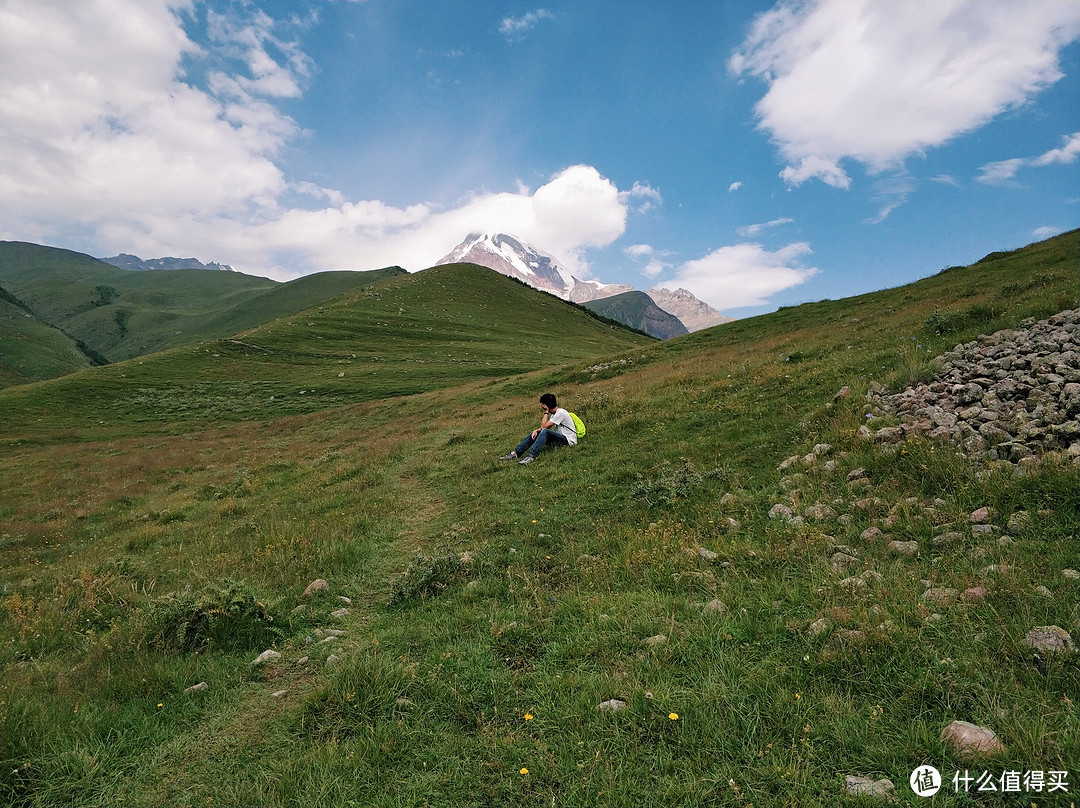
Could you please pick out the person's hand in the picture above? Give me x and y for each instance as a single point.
(535, 432)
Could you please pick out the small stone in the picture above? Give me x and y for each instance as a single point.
(819, 627)
(883, 789)
(715, 606)
(974, 594)
(779, 511)
(266, 656)
(904, 548)
(332, 660)
(820, 512)
(1051, 639)
(707, 555)
(841, 561)
(199, 688)
(940, 596)
(277, 694)
(1042, 590)
(345, 600)
(302, 660)
(969, 740)
(655, 640)
(612, 706)
(1019, 522)
(318, 586)
(871, 534)
(856, 474)
(1070, 575)
(340, 613)
(854, 584)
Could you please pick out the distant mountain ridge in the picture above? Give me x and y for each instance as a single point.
(133, 262)
(511, 256)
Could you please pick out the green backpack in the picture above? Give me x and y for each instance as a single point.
(579, 426)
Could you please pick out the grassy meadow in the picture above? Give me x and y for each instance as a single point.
(163, 516)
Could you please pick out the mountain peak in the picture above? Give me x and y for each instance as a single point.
(512, 256)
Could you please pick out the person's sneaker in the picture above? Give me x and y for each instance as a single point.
(526, 460)
(511, 456)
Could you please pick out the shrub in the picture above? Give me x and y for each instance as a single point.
(425, 577)
(228, 617)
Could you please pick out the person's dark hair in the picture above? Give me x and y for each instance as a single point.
(548, 400)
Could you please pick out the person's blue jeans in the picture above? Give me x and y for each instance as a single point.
(545, 437)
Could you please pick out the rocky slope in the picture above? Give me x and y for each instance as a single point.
(1012, 397)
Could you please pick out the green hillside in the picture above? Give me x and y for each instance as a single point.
(30, 349)
(401, 335)
(120, 314)
(492, 608)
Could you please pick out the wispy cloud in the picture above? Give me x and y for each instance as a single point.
(752, 230)
(517, 28)
(845, 83)
(642, 191)
(735, 186)
(1003, 171)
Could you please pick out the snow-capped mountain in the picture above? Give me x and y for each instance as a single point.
(512, 256)
(128, 261)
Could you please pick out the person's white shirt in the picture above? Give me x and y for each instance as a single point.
(564, 424)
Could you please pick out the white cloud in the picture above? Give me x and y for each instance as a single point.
(1003, 171)
(126, 153)
(877, 82)
(516, 28)
(1068, 153)
(751, 230)
(655, 266)
(642, 190)
(1046, 232)
(742, 274)
(735, 186)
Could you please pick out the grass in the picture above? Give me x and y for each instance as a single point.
(451, 679)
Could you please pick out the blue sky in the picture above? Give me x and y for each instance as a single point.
(759, 154)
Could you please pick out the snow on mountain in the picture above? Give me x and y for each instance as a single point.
(510, 256)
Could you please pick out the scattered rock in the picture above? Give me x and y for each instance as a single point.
(883, 788)
(871, 534)
(316, 587)
(277, 694)
(970, 740)
(974, 594)
(779, 511)
(819, 627)
(1019, 522)
(981, 516)
(904, 548)
(612, 706)
(266, 656)
(841, 561)
(1050, 639)
(1070, 575)
(820, 512)
(655, 640)
(940, 596)
(715, 606)
(339, 613)
(332, 660)
(199, 688)
(707, 555)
